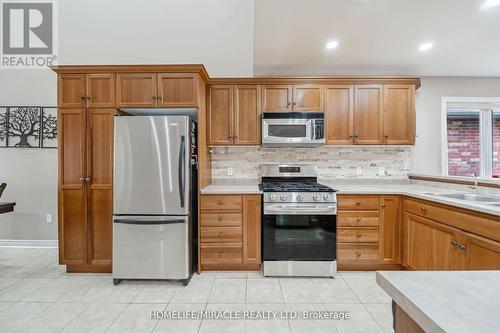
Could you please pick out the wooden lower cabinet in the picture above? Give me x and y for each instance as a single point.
(230, 232)
(390, 229)
(482, 253)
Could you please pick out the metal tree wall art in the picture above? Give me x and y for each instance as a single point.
(28, 127)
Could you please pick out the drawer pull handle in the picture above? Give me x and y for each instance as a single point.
(358, 253)
(358, 203)
(454, 243)
(221, 218)
(221, 234)
(221, 253)
(220, 202)
(358, 235)
(423, 208)
(358, 219)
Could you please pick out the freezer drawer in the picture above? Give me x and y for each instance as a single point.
(151, 247)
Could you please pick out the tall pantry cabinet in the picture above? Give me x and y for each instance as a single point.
(86, 109)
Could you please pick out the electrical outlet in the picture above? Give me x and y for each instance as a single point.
(49, 218)
(381, 171)
(359, 171)
(229, 171)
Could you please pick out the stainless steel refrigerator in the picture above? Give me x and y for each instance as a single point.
(154, 198)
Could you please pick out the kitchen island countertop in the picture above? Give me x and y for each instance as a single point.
(447, 301)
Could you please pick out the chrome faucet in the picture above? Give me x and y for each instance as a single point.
(475, 183)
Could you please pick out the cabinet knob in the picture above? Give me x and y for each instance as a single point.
(454, 243)
(423, 208)
(155, 98)
(83, 97)
(221, 235)
(462, 247)
(258, 202)
(220, 202)
(358, 219)
(221, 218)
(289, 103)
(383, 204)
(358, 203)
(355, 135)
(81, 180)
(294, 103)
(221, 253)
(87, 180)
(358, 235)
(358, 253)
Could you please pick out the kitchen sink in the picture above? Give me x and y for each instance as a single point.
(486, 199)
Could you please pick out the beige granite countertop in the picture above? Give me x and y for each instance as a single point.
(412, 190)
(460, 301)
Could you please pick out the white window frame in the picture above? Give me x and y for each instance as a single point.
(485, 121)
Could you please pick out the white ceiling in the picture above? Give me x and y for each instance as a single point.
(376, 38)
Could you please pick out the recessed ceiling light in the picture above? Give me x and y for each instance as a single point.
(362, 1)
(332, 45)
(425, 46)
(490, 4)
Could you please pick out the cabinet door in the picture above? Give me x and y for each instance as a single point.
(247, 121)
(251, 229)
(101, 90)
(177, 90)
(100, 184)
(430, 245)
(368, 104)
(277, 98)
(339, 104)
(136, 90)
(220, 115)
(399, 114)
(481, 253)
(71, 91)
(72, 200)
(308, 98)
(389, 229)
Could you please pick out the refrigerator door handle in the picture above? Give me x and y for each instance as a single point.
(153, 221)
(182, 165)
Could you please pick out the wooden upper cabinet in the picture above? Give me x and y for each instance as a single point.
(220, 115)
(390, 230)
(399, 114)
(101, 90)
(177, 90)
(252, 229)
(277, 98)
(71, 91)
(429, 245)
(339, 105)
(136, 90)
(481, 253)
(247, 121)
(368, 114)
(308, 98)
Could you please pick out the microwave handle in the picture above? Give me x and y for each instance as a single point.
(313, 132)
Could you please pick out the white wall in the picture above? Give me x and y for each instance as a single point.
(427, 151)
(216, 33)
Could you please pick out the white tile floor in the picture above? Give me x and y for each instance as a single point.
(36, 295)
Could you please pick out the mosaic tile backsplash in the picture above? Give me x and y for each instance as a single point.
(334, 161)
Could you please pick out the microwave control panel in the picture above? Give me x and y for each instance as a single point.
(319, 132)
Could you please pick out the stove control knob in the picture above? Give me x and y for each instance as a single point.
(283, 197)
(272, 197)
(300, 197)
(326, 197)
(317, 197)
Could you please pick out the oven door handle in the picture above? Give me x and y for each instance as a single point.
(294, 210)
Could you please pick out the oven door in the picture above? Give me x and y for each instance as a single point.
(299, 234)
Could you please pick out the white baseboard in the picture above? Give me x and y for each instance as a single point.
(36, 243)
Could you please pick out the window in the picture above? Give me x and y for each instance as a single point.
(472, 139)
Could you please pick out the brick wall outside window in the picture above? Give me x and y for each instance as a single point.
(463, 146)
(496, 144)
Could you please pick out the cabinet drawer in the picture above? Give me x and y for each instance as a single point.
(221, 220)
(221, 253)
(361, 235)
(357, 252)
(221, 234)
(221, 202)
(356, 202)
(358, 219)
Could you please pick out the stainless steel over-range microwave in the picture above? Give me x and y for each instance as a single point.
(293, 129)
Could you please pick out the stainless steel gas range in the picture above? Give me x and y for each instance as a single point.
(299, 224)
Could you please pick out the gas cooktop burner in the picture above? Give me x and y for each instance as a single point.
(295, 187)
